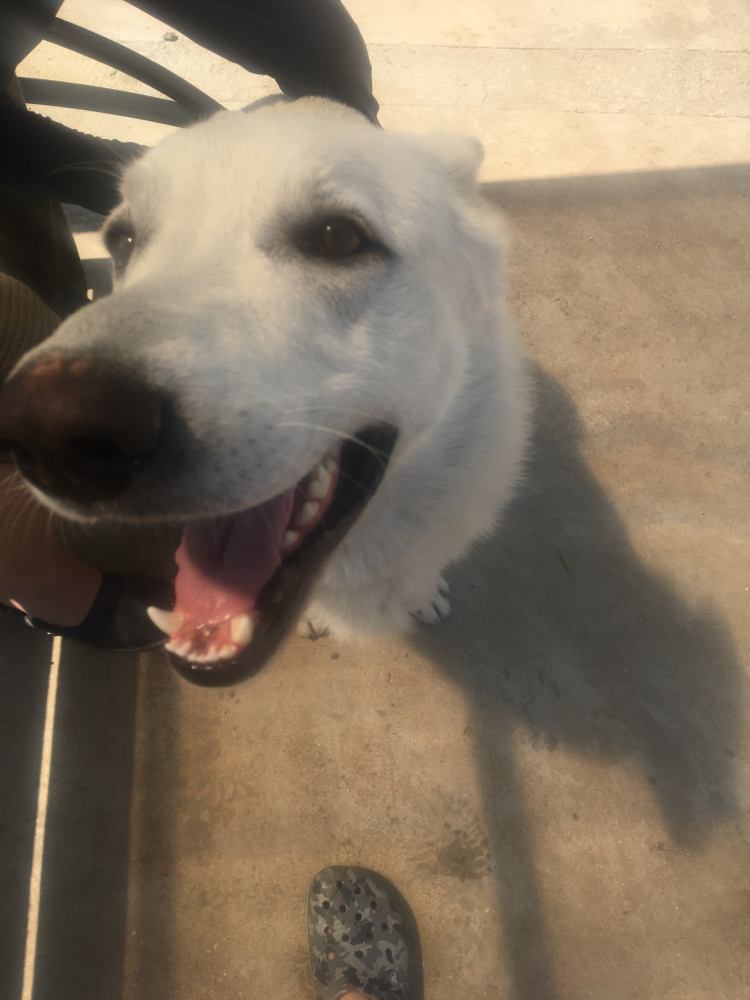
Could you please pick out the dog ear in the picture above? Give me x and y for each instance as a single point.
(459, 155)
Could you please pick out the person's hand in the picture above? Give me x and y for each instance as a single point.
(36, 574)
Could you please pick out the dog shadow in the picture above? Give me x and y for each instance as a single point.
(98, 270)
(571, 634)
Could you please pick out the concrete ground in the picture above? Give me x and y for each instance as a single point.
(557, 777)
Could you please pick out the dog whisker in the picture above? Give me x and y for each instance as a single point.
(340, 435)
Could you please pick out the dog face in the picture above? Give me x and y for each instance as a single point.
(285, 281)
(280, 291)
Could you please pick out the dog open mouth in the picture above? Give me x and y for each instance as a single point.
(244, 578)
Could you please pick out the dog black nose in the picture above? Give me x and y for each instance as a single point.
(79, 428)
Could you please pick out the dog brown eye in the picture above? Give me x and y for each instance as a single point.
(337, 238)
(340, 238)
(120, 242)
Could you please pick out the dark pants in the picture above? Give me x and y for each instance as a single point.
(37, 247)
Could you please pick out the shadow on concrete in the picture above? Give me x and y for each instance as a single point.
(24, 673)
(96, 845)
(569, 631)
(98, 270)
(83, 905)
(152, 859)
(83, 220)
(604, 661)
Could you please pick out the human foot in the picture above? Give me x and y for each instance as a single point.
(356, 936)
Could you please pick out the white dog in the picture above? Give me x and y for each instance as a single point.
(285, 281)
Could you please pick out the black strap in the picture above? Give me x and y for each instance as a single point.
(96, 623)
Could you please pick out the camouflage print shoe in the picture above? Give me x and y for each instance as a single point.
(356, 936)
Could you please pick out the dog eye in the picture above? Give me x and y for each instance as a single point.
(341, 238)
(120, 242)
(335, 238)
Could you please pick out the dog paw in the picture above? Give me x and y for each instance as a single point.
(312, 631)
(438, 607)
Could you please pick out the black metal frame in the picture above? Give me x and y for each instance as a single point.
(188, 104)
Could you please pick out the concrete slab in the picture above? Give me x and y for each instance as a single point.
(577, 88)
(556, 777)
(561, 24)
(690, 24)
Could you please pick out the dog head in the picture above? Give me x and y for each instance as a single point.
(285, 281)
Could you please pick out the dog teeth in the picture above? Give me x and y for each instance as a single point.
(289, 539)
(199, 657)
(213, 654)
(167, 621)
(319, 483)
(329, 464)
(241, 630)
(180, 649)
(307, 512)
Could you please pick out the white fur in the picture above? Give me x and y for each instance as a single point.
(273, 356)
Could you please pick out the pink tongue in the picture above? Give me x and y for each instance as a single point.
(224, 562)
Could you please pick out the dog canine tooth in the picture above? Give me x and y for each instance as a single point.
(306, 513)
(241, 630)
(290, 537)
(319, 485)
(167, 621)
(329, 464)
